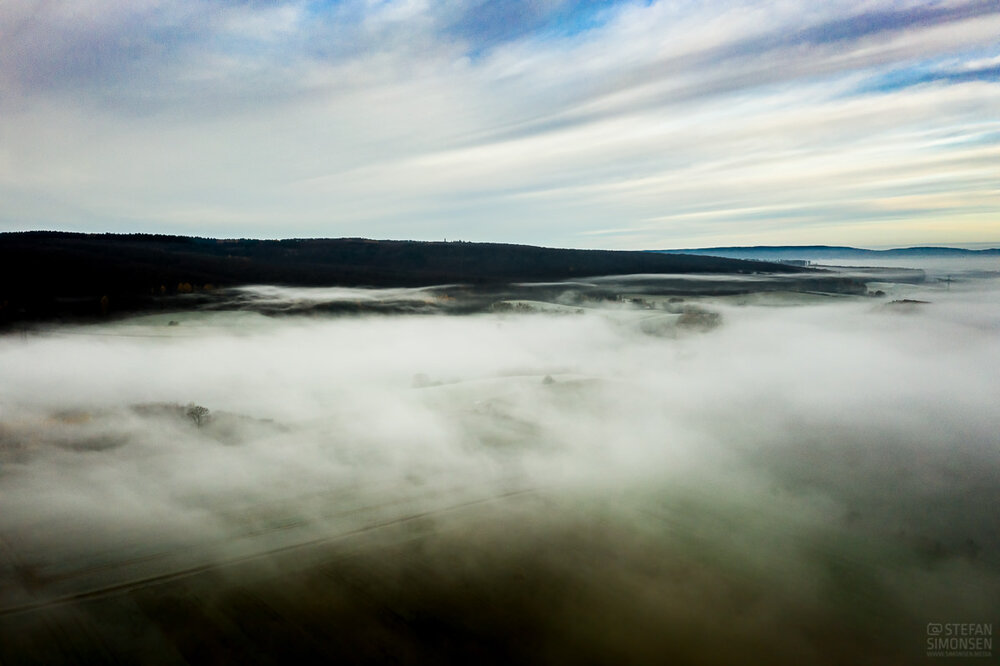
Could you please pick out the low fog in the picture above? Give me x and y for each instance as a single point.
(799, 479)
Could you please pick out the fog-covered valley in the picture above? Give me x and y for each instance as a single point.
(600, 471)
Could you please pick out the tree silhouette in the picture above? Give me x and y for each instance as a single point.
(197, 413)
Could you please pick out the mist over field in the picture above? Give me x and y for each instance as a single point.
(561, 332)
(794, 478)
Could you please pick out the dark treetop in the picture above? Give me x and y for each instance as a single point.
(51, 274)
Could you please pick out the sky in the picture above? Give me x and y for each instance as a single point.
(570, 123)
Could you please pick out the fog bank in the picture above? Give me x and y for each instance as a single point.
(801, 484)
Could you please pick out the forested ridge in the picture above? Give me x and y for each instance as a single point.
(45, 274)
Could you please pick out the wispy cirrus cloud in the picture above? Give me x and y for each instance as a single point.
(531, 121)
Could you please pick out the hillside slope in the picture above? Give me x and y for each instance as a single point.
(51, 274)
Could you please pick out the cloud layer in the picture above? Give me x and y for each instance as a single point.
(811, 483)
(595, 124)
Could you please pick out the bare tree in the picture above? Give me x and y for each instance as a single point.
(197, 413)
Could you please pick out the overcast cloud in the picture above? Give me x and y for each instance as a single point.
(585, 124)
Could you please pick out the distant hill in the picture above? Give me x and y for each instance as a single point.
(820, 252)
(52, 274)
